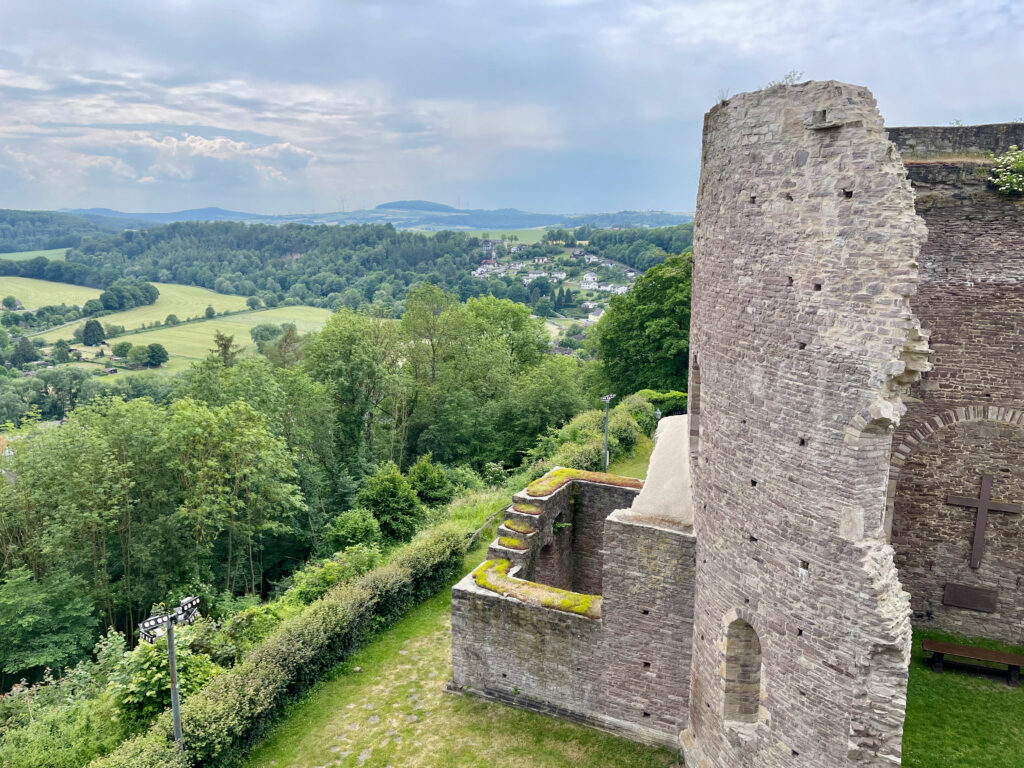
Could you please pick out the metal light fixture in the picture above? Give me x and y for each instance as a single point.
(607, 406)
(156, 626)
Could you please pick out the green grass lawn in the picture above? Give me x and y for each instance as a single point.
(37, 293)
(185, 301)
(957, 719)
(55, 254)
(636, 464)
(191, 342)
(393, 711)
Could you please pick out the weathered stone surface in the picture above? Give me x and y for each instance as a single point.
(805, 251)
(969, 420)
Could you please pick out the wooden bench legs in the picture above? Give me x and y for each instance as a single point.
(1012, 670)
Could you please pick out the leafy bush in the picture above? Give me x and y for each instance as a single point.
(1008, 172)
(642, 411)
(464, 478)
(313, 581)
(141, 683)
(389, 496)
(354, 526)
(588, 455)
(238, 707)
(670, 403)
(430, 482)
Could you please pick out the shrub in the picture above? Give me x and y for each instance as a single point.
(430, 482)
(238, 707)
(1008, 172)
(389, 496)
(312, 582)
(670, 403)
(588, 455)
(141, 682)
(642, 412)
(354, 526)
(464, 478)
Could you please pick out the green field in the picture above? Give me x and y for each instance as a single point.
(185, 301)
(56, 254)
(37, 293)
(526, 236)
(191, 342)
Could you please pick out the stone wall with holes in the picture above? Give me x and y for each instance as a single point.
(805, 265)
(626, 671)
(960, 424)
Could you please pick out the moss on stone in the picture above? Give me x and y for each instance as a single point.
(493, 575)
(557, 478)
(525, 508)
(519, 526)
(510, 542)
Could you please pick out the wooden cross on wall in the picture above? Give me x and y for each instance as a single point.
(984, 505)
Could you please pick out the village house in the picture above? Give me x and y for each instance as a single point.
(590, 277)
(588, 285)
(541, 259)
(591, 258)
(577, 253)
(559, 275)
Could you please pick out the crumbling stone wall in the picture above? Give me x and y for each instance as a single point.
(627, 669)
(968, 421)
(805, 259)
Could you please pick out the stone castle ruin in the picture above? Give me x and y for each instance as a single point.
(853, 459)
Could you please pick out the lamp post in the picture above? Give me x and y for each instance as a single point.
(151, 629)
(607, 405)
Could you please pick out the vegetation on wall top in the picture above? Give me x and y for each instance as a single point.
(1008, 172)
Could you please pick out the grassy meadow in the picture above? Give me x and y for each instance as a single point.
(192, 342)
(185, 301)
(38, 293)
(54, 254)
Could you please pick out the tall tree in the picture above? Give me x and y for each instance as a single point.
(643, 339)
(92, 333)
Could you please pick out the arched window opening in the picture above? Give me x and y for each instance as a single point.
(742, 673)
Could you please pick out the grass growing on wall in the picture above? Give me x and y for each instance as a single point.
(395, 712)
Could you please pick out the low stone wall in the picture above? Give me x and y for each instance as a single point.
(928, 141)
(620, 660)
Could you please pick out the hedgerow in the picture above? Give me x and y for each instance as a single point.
(236, 709)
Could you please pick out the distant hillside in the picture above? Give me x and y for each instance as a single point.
(628, 219)
(194, 214)
(402, 214)
(46, 230)
(417, 205)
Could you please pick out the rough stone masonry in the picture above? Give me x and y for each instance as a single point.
(746, 605)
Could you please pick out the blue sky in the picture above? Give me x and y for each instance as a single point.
(557, 106)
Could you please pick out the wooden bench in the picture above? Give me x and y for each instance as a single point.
(940, 650)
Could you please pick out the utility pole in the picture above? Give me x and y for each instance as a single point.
(607, 406)
(151, 629)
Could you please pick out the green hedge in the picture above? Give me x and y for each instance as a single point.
(236, 710)
(669, 403)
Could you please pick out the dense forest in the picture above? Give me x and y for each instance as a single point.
(47, 230)
(330, 266)
(260, 482)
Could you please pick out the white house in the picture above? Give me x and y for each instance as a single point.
(590, 258)
(588, 285)
(558, 275)
(590, 277)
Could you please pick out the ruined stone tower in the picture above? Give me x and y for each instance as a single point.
(745, 604)
(802, 340)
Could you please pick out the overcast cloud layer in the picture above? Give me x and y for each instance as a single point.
(561, 106)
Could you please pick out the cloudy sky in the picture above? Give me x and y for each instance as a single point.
(545, 105)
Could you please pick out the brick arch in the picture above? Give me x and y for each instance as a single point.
(976, 413)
